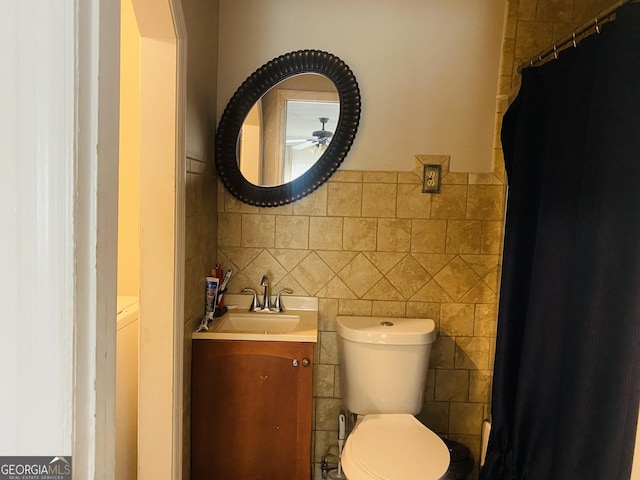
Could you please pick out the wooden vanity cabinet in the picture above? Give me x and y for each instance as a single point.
(251, 410)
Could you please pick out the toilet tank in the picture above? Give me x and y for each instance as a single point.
(384, 363)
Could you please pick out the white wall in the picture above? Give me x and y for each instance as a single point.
(36, 255)
(427, 69)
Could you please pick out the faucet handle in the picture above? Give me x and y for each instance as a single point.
(278, 305)
(255, 304)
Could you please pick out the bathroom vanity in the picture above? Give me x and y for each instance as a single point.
(251, 407)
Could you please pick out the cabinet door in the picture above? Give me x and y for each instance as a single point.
(251, 410)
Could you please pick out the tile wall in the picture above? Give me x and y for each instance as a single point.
(200, 255)
(371, 243)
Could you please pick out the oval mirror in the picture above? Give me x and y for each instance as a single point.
(287, 128)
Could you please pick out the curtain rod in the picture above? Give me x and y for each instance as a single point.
(594, 22)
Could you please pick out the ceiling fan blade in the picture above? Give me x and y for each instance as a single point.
(304, 145)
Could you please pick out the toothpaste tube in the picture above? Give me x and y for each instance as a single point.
(212, 291)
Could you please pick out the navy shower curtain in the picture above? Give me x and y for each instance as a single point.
(567, 371)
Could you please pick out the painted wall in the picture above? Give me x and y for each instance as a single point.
(129, 161)
(427, 70)
(36, 211)
(201, 223)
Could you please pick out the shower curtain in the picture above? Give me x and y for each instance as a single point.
(567, 370)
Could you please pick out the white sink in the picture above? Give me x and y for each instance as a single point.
(258, 322)
(299, 323)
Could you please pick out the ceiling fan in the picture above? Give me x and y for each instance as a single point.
(320, 137)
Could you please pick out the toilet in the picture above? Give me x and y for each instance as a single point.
(384, 371)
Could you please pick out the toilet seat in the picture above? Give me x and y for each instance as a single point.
(394, 447)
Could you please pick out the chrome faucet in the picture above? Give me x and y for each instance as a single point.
(266, 306)
(266, 300)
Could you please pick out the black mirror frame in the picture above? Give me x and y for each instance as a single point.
(251, 90)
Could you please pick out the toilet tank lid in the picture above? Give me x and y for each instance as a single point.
(386, 330)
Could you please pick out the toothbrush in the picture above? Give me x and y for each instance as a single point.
(227, 276)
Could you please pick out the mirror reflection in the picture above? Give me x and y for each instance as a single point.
(288, 129)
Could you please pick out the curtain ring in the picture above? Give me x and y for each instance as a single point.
(574, 40)
(597, 26)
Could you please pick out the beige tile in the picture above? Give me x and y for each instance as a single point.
(412, 203)
(379, 200)
(263, 264)
(391, 309)
(329, 348)
(312, 273)
(336, 260)
(435, 415)
(394, 235)
(526, 9)
(384, 261)
(380, 177)
(258, 231)
(384, 291)
(491, 237)
(555, 11)
(433, 262)
(327, 312)
(327, 410)
(323, 378)
(479, 385)
(484, 179)
(442, 352)
(431, 292)
(355, 307)
(428, 236)
(457, 278)
(288, 258)
(314, 204)
(450, 203)
(430, 387)
(485, 202)
(464, 236)
(238, 257)
(232, 204)
(482, 264)
(472, 352)
(410, 177)
(344, 199)
(465, 418)
(408, 277)
(335, 289)
(193, 194)
(479, 293)
(193, 237)
(348, 176)
(532, 38)
(292, 232)
(324, 441)
(485, 322)
(286, 209)
(455, 178)
(359, 234)
(229, 229)
(360, 275)
(325, 233)
(452, 385)
(424, 310)
(457, 319)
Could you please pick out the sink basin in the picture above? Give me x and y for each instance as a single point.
(299, 323)
(258, 323)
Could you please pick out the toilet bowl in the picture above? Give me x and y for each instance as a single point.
(384, 369)
(394, 446)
